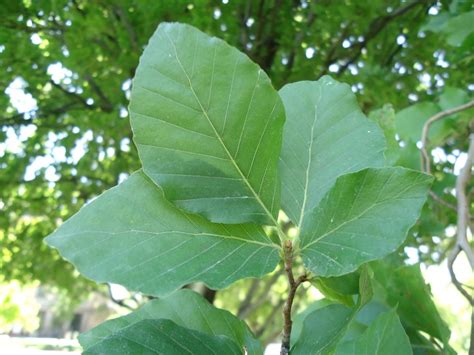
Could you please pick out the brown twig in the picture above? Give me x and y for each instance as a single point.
(294, 284)
(425, 158)
(463, 223)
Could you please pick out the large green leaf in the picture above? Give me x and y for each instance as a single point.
(318, 317)
(325, 136)
(385, 336)
(208, 125)
(322, 329)
(131, 235)
(186, 308)
(365, 216)
(404, 287)
(162, 336)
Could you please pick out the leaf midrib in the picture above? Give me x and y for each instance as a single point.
(231, 157)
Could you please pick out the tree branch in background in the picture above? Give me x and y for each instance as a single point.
(267, 323)
(375, 27)
(462, 244)
(262, 297)
(297, 45)
(425, 158)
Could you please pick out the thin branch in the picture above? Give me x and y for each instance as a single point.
(248, 297)
(297, 45)
(294, 284)
(262, 297)
(451, 259)
(117, 301)
(269, 320)
(463, 223)
(375, 27)
(425, 158)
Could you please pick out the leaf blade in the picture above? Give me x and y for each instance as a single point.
(189, 129)
(162, 336)
(365, 216)
(159, 247)
(385, 335)
(187, 309)
(325, 136)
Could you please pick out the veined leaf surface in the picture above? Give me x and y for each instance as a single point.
(131, 235)
(187, 309)
(384, 336)
(325, 136)
(162, 336)
(208, 126)
(365, 216)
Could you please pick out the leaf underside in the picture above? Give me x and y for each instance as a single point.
(325, 136)
(131, 235)
(208, 124)
(187, 309)
(365, 216)
(162, 336)
(384, 336)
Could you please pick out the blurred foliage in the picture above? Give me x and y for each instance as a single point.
(66, 72)
(18, 307)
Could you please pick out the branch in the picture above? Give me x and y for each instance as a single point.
(425, 158)
(248, 297)
(462, 243)
(262, 296)
(375, 27)
(294, 284)
(116, 301)
(266, 324)
(297, 45)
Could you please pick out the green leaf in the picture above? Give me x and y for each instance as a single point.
(299, 318)
(325, 136)
(185, 308)
(404, 287)
(207, 124)
(452, 97)
(162, 336)
(385, 118)
(131, 235)
(342, 289)
(322, 329)
(458, 28)
(365, 216)
(409, 122)
(385, 336)
(333, 293)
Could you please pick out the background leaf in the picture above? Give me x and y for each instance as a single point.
(131, 235)
(162, 336)
(365, 216)
(325, 136)
(384, 336)
(322, 329)
(187, 309)
(403, 287)
(207, 124)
